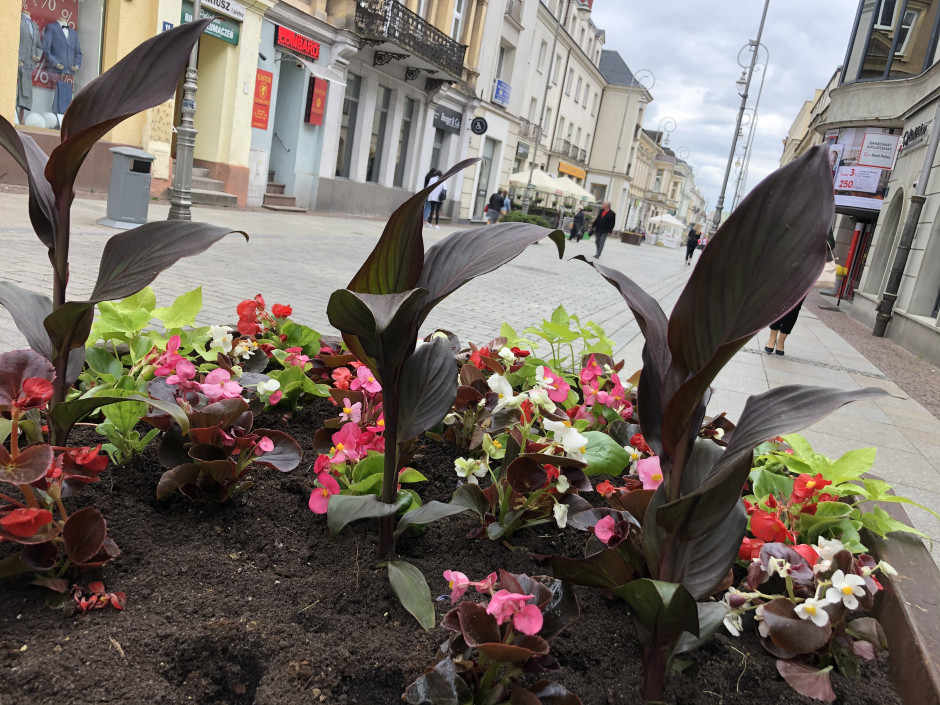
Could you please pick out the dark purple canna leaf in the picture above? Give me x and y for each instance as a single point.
(286, 454)
(15, 368)
(42, 208)
(464, 255)
(525, 475)
(395, 264)
(29, 310)
(84, 534)
(145, 78)
(428, 388)
(550, 693)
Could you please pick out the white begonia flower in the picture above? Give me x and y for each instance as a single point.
(244, 348)
(539, 397)
(562, 484)
(826, 548)
(507, 398)
(268, 387)
(634, 454)
(846, 589)
(450, 419)
(812, 609)
(762, 627)
(561, 514)
(733, 623)
(221, 338)
(573, 442)
(779, 566)
(470, 469)
(719, 433)
(886, 568)
(508, 355)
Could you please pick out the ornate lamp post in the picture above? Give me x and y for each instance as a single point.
(664, 129)
(743, 84)
(181, 192)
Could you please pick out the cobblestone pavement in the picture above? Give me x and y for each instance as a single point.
(300, 259)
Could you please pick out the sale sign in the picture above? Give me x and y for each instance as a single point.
(264, 84)
(44, 12)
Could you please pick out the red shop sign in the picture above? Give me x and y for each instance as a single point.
(297, 43)
(264, 83)
(316, 101)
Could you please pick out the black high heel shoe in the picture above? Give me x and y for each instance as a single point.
(769, 351)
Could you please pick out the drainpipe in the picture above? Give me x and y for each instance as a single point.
(886, 304)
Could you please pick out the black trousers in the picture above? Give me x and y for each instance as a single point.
(435, 213)
(786, 323)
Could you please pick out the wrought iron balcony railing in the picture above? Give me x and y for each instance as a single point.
(562, 146)
(392, 21)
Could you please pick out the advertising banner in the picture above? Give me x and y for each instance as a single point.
(861, 161)
(264, 82)
(316, 101)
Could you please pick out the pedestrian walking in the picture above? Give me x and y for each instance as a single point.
(780, 329)
(434, 172)
(494, 207)
(577, 225)
(602, 227)
(691, 243)
(436, 200)
(507, 204)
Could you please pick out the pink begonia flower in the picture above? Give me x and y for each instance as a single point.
(219, 385)
(351, 412)
(553, 383)
(525, 617)
(379, 425)
(590, 372)
(265, 445)
(341, 377)
(275, 398)
(604, 529)
(369, 440)
(185, 373)
(365, 381)
(166, 363)
(346, 444)
(458, 584)
(590, 394)
(487, 583)
(320, 497)
(650, 472)
(626, 411)
(295, 357)
(322, 464)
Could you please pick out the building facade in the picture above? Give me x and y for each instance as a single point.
(877, 124)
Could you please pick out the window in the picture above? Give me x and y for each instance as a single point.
(904, 32)
(557, 66)
(460, 10)
(674, 191)
(658, 184)
(570, 130)
(581, 38)
(587, 92)
(594, 105)
(500, 58)
(577, 139)
(542, 51)
(404, 140)
(577, 91)
(422, 9)
(533, 107)
(587, 142)
(548, 120)
(569, 81)
(884, 15)
(561, 126)
(70, 36)
(347, 130)
(377, 145)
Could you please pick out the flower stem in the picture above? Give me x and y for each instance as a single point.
(29, 495)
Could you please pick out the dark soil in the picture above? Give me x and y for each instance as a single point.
(252, 602)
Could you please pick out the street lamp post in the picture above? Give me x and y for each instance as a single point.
(664, 129)
(752, 129)
(548, 82)
(181, 192)
(744, 83)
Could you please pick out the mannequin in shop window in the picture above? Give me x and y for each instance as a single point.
(30, 54)
(63, 54)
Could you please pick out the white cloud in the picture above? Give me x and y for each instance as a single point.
(692, 48)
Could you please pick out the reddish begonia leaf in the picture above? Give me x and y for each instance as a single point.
(517, 652)
(807, 680)
(83, 534)
(476, 625)
(286, 454)
(30, 465)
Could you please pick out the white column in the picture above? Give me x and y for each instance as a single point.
(396, 108)
(360, 150)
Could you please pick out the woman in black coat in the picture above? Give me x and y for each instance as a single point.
(577, 225)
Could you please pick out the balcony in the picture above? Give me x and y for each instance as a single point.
(393, 22)
(562, 146)
(529, 130)
(514, 11)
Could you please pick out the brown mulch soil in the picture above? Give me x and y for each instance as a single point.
(252, 602)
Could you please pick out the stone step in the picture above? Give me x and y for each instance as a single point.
(284, 209)
(213, 198)
(205, 184)
(279, 199)
(201, 171)
(270, 175)
(274, 188)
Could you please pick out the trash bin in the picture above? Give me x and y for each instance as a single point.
(129, 191)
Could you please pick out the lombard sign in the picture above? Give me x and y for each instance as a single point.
(447, 119)
(297, 43)
(861, 160)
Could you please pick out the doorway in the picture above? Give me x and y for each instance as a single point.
(484, 187)
(288, 116)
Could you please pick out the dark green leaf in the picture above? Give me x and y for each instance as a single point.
(604, 455)
(428, 388)
(461, 256)
(145, 78)
(665, 610)
(471, 497)
(710, 617)
(84, 534)
(345, 509)
(395, 263)
(412, 591)
(432, 511)
(104, 363)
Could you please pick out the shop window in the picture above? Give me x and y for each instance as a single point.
(404, 140)
(347, 130)
(927, 285)
(377, 143)
(59, 53)
(885, 246)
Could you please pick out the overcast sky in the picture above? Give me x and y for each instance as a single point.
(691, 47)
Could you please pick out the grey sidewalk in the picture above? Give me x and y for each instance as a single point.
(300, 259)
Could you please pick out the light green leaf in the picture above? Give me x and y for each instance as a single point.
(103, 363)
(5, 427)
(145, 298)
(765, 482)
(183, 312)
(560, 316)
(125, 415)
(604, 455)
(411, 475)
(412, 591)
(802, 450)
(122, 320)
(880, 522)
(850, 466)
(372, 464)
(371, 484)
